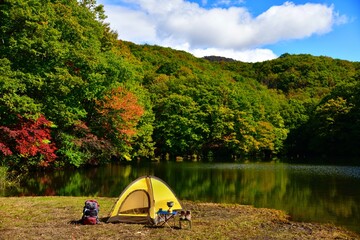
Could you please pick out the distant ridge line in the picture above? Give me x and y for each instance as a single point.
(219, 59)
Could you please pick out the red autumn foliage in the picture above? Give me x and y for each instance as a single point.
(28, 138)
(122, 108)
(5, 150)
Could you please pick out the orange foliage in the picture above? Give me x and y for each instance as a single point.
(122, 109)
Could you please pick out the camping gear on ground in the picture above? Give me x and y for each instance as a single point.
(142, 200)
(185, 219)
(170, 204)
(164, 216)
(90, 212)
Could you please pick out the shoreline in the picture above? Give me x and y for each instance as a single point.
(51, 217)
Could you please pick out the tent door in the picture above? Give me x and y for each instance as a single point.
(137, 203)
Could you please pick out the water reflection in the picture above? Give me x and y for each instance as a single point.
(308, 193)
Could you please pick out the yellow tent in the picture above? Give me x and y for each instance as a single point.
(141, 199)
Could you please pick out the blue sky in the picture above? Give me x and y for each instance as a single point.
(246, 30)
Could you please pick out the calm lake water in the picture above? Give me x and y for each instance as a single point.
(310, 193)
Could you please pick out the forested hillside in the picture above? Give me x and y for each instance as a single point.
(73, 95)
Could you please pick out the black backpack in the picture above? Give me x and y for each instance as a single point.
(90, 213)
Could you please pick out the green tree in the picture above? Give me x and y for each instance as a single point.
(179, 126)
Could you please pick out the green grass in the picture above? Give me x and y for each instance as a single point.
(51, 217)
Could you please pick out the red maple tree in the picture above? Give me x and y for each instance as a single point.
(28, 138)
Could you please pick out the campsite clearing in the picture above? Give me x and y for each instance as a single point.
(54, 217)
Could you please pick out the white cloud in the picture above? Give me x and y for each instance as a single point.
(229, 31)
(251, 55)
(290, 21)
(131, 25)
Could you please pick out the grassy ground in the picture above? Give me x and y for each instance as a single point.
(52, 217)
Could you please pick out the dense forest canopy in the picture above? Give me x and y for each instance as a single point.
(72, 94)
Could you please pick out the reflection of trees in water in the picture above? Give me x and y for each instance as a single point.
(322, 198)
(109, 181)
(260, 187)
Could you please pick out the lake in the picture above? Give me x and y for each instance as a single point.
(310, 193)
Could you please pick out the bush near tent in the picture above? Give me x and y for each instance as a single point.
(141, 199)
